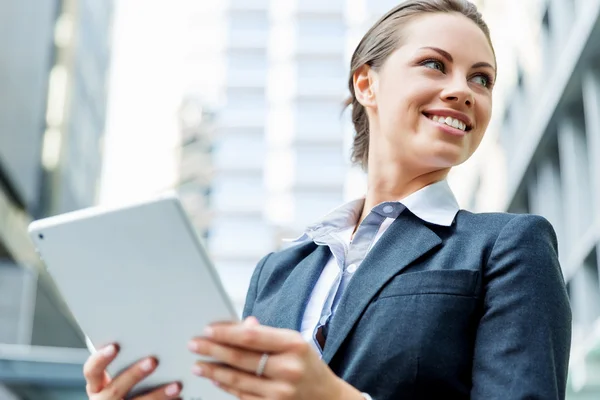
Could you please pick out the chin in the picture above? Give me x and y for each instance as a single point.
(438, 161)
(445, 155)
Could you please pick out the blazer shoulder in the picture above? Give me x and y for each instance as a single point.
(288, 257)
(496, 221)
(490, 227)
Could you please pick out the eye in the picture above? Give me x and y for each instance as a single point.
(434, 64)
(483, 80)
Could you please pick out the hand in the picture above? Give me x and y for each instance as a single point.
(101, 387)
(294, 371)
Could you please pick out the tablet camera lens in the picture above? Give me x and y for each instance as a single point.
(40, 236)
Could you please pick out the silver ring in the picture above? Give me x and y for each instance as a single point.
(260, 370)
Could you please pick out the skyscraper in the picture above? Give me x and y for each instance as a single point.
(307, 88)
(239, 233)
(52, 122)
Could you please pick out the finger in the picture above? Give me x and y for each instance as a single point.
(237, 393)
(123, 383)
(259, 338)
(236, 380)
(278, 366)
(166, 392)
(233, 356)
(95, 367)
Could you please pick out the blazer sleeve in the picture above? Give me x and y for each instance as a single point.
(253, 288)
(523, 339)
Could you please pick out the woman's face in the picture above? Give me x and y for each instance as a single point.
(432, 98)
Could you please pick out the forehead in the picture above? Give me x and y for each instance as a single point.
(452, 32)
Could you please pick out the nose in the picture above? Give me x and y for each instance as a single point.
(458, 92)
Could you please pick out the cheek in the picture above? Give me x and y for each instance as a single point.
(400, 103)
(483, 112)
(395, 120)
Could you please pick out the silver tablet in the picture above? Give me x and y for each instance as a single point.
(139, 277)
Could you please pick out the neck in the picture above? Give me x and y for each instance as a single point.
(393, 183)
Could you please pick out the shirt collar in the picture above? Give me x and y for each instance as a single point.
(434, 203)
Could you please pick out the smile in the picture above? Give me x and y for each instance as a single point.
(449, 121)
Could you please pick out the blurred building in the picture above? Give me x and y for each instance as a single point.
(376, 8)
(239, 233)
(196, 163)
(52, 110)
(550, 134)
(76, 108)
(308, 165)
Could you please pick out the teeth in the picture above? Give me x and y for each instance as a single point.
(453, 122)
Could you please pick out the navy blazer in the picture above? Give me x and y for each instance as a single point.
(476, 310)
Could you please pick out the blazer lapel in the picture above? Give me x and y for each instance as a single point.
(288, 309)
(407, 239)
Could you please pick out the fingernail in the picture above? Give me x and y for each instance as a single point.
(192, 345)
(196, 369)
(172, 389)
(109, 351)
(216, 383)
(208, 331)
(147, 365)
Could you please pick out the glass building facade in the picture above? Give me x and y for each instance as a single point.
(56, 57)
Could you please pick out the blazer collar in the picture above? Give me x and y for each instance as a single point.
(288, 311)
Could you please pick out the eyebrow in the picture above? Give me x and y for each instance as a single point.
(447, 56)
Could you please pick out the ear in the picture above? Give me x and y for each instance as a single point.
(365, 85)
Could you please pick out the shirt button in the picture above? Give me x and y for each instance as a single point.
(352, 268)
(388, 209)
(323, 320)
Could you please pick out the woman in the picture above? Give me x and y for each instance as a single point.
(400, 295)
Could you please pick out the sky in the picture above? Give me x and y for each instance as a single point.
(145, 90)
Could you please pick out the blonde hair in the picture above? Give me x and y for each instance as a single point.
(381, 41)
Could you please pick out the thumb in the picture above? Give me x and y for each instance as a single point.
(251, 321)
